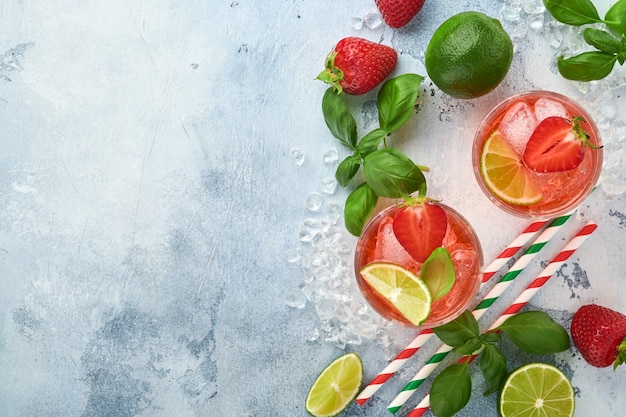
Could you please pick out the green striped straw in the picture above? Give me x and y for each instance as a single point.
(430, 365)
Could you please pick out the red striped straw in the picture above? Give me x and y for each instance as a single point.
(490, 270)
(525, 296)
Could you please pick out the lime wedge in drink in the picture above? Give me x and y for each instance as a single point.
(537, 389)
(336, 387)
(402, 288)
(504, 173)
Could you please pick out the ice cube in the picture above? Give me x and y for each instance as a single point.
(517, 125)
(545, 107)
(388, 249)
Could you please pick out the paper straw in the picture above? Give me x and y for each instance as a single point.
(525, 296)
(490, 270)
(430, 365)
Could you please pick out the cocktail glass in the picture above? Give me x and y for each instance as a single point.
(515, 119)
(377, 243)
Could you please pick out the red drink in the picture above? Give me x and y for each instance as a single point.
(516, 119)
(379, 244)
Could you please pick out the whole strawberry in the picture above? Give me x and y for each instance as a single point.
(397, 13)
(356, 65)
(599, 333)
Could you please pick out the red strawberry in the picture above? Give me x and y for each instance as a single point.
(397, 13)
(356, 65)
(556, 144)
(420, 229)
(599, 333)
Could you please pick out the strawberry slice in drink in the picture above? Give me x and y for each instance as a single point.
(557, 144)
(420, 229)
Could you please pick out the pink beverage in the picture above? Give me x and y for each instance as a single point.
(379, 244)
(522, 117)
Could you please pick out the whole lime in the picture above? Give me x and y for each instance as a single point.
(469, 55)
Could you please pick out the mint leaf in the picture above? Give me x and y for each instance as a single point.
(390, 173)
(458, 331)
(614, 18)
(493, 368)
(347, 169)
(396, 100)
(536, 332)
(451, 390)
(601, 40)
(438, 273)
(573, 12)
(371, 141)
(359, 206)
(587, 66)
(339, 119)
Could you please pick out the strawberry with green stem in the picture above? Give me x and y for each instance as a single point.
(557, 144)
(599, 333)
(356, 65)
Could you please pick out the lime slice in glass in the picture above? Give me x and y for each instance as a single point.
(402, 288)
(505, 174)
(336, 387)
(537, 389)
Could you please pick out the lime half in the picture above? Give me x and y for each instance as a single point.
(537, 390)
(402, 288)
(505, 174)
(336, 387)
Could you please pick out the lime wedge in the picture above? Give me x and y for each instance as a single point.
(505, 174)
(537, 389)
(402, 288)
(336, 387)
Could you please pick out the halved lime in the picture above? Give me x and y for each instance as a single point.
(537, 389)
(336, 387)
(505, 174)
(402, 288)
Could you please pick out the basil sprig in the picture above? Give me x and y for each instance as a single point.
(610, 45)
(388, 172)
(534, 332)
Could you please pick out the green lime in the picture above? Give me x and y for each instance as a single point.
(402, 288)
(469, 55)
(537, 390)
(505, 174)
(336, 387)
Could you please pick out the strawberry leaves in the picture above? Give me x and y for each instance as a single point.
(610, 46)
(532, 331)
(388, 172)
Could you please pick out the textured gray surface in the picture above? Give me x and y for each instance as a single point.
(149, 194)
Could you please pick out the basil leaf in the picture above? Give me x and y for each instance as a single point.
(535, 332)
(458, 331)
(347, 169)
(339, 119)
(491, 337)
(601, 40)
(493, 368)
(438, 273)
(451, 390)
(573, 12)
(470, 347)
(371, 141)
(359, 207)
(392, 174)
(615, 18)
(396, 100)
(587, 66)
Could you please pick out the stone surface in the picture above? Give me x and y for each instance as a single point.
(158, 162)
